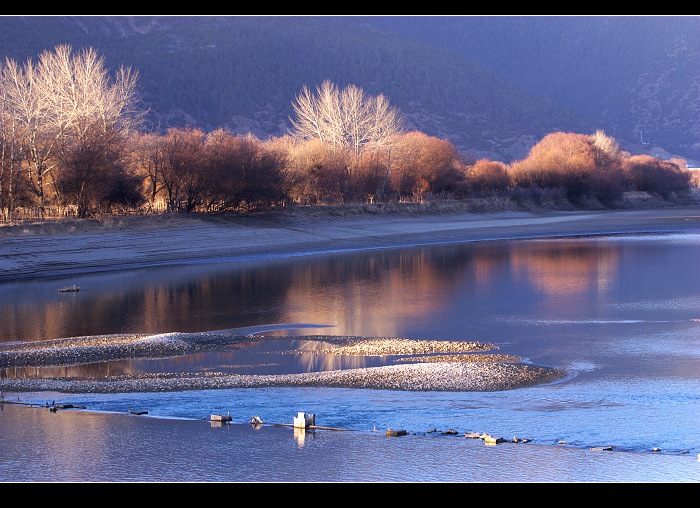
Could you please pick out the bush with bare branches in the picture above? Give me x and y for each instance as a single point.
(649, 174)
(487, 177)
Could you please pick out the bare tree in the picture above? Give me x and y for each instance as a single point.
(90, 170)
(424, 164)
(93, 114)
(246, 173)
(184, 172)
(58, 103)
(386, 122)
(148, 158)
(318, 117)
(26, 107)
(487, 177)
(356, 116)
(386, 127)
(11, 150)
(347, 119)
(606, 148)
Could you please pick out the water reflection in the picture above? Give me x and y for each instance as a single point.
(374, 292)
(93, 370)
(475, 291)
(268, 357)
(300, 436)
(561, 268)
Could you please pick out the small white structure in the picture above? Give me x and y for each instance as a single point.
(304, 420)
(221, 418)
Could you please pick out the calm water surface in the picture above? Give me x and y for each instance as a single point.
(621, 314)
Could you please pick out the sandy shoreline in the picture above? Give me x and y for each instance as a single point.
(81, 246)
(71, 247)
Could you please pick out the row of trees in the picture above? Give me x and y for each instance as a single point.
(65, 114)
(70, 141)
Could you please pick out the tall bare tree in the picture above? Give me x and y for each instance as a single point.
(11, 150)
(346, 119)
(27, 109)
(93, 113)
(318, 117)
(59, 101)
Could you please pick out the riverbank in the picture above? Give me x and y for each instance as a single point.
(71, 246)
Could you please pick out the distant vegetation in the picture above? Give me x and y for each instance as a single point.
(72, 144)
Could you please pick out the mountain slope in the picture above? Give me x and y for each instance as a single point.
(638, 77)
(243, 72)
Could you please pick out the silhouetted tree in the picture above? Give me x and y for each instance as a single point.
(89, 170)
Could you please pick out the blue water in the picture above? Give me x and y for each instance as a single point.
(621, 314)
(78, 446)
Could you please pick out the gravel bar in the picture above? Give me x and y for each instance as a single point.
(466, 368)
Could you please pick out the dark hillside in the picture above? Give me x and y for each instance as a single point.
(492, 86)
(244, 72)
(635, 76)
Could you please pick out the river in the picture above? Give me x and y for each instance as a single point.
(619, 313)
